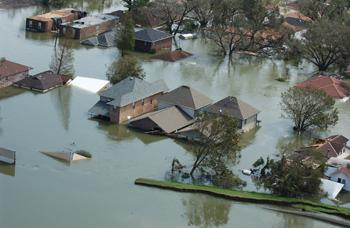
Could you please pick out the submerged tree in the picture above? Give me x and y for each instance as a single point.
(309, 107)
(294, 174)
(218, 145)
(136, 5)
(124, 67)
(62, 59)
(124, 38)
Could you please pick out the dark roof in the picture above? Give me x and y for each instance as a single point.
(8, 68)
(236, 107)
(100, 108)
(334, 144)
(43, 81)
(147, 19)
(151, 35)
(105, 40)
(332, 86)
(168, 119)
(343, 170)
(133, 89)
(173, 56)
(185, 96)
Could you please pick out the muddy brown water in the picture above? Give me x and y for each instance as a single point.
(43, 192)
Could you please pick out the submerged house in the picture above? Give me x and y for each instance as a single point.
(43, 81)
(91, 26)
(144, 19)
(331, 147)
(147, 39)
(342, 176)
(332, 86)
(11, 72)
(106, 39)
(173, 56)
(185, 97)
(51, 21)
(128, 99)
(246, 115)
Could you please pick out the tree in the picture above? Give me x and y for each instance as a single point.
(55, 2)
(322, 9)
(172, 12)
(124, 67)
(218, 144)
(203, 10)
(309, 107)
(124, 38)
(135, 5)
(62, 59)
(297, 173)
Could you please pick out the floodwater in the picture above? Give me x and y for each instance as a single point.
(43, 192)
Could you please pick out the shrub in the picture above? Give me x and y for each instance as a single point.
(153, 51)
(84, 153)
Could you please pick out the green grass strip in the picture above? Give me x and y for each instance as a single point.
(246, 196)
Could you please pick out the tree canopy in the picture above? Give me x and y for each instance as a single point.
(218, 145)
(124, 67)
(135, 5)
(125, 39)
(309, 107)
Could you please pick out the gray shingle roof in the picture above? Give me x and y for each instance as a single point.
(105, 40)
(100, 108)
(151, 35)
(185, 96)
(236, 107)
(169, 119)
(133, 89)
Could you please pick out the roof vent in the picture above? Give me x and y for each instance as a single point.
(131, 78)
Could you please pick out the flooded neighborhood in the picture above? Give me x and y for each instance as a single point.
(43, 190)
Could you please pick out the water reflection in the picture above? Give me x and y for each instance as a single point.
(206, 211)
(294, 221)
(7, 169)
(10, 91)
(61, 98)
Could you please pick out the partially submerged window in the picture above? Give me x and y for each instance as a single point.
(151, 101)
(30, 24)
(39, 25)
(6, 78)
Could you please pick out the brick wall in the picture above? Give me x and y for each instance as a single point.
(121, 113)
(46, 26)
(93, 30)
(140, 45)
(7, 81)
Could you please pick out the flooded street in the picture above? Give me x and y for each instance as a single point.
(40, 191)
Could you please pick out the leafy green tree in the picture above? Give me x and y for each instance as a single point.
(322, 9)
(62, 59)
(309, 107)
(136, 5)
(298, 173)
(124, 38)
(218, 144)
(124, 67)
(203, 11)
(55, 2)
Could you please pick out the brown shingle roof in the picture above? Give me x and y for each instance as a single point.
(185, 96)
(332, 86)
(8, 68)
(236, 107)
(53, 14)
(43, 81)
(173, 56)
(343, 170)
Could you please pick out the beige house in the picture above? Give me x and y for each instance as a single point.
(11, 72)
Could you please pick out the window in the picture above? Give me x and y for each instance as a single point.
(114, 107)
(30, 24)
(63, 20)
(6, 78)
(64, 29)
(145, 43)
(97, 27)
(245, 121)
(23, 75)
(143, 102)
(339, 180)
(133, 105)
(151, 101)
(343, 181)
(39, 25)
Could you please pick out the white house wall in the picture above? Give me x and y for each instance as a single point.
(342, 176)
(162, 105)
(249, 123)
(189, 111)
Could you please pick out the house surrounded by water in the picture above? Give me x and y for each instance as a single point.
(50, 21)
(11, 72)
(91, 26)
(128, 99)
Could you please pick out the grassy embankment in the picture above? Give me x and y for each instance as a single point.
(245, 196)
